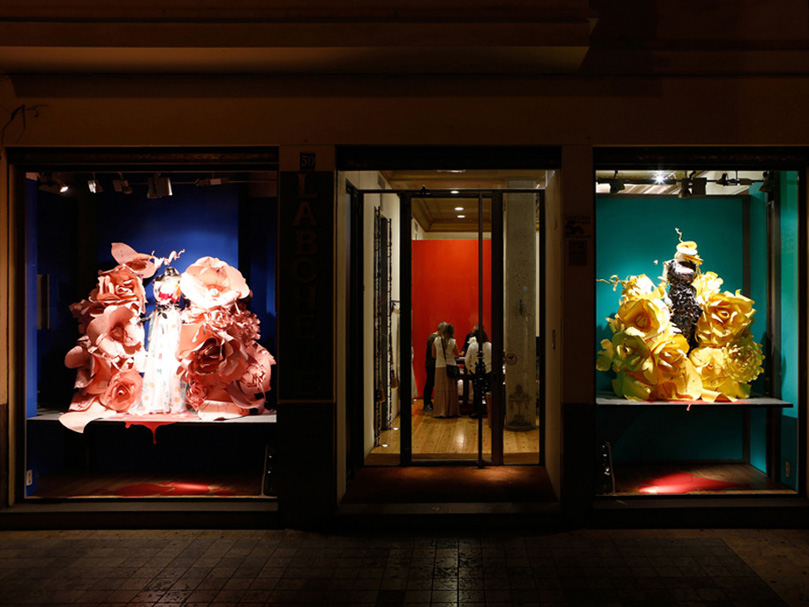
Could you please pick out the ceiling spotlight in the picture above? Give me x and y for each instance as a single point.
(94, 186)
(723, 180)
(685, 192)
(769, 184)
(47, 184)
(698, 185)
(616, 185)
(121, 185)
(63, 188)
(461, 216)
(159, 186)
(660, 177)
(453, 191)
(459, 208)
(208, 181)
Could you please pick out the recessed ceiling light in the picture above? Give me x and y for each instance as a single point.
(453, 191)
(461, 216)
(459, 208)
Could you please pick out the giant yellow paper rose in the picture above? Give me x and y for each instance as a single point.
(669, 370)
(650, 317)
(711, 366)
(705, 285)
(626, 351)
(725, 316)
(743, 359)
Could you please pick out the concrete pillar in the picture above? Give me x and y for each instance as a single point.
(520, 309)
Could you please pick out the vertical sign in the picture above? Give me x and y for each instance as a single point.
(306, 286)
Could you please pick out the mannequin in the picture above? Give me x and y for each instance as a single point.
(163, 391)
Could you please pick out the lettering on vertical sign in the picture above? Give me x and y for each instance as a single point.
(305, 286)
(307, 161)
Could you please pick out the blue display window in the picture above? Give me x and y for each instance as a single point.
(71, 219)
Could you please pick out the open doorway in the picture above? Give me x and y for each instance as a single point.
(448, 252)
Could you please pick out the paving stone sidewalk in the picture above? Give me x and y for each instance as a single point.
(213, 568)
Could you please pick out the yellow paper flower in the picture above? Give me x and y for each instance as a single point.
(707, 284)
(711, 364)
(669, 370)
(605, 356)
(649, 316)
(725, 316)
(636, 287)
(743, 359)
(687, 251)
(631, 386)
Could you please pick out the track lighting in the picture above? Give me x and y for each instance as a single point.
(685, 192)
(94, 186)
(121, 185)
(723, 180)
(616, 185)
(159, 186)
(769, 184)
(698, 186)
(52, 185)
(208, 181)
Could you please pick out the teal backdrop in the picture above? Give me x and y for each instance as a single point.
(635, 235)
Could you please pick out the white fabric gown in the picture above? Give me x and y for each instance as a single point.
(163, 391)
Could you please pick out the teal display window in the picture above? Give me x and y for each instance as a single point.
(745, 226)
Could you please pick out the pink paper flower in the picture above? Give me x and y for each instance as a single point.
(211, 357)
(140, 263)
(123, 391)
(249, 391)
(210, 283)
(94, 371)
(117, 287)
(116, 332)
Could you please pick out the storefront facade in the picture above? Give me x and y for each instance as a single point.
(550, 92)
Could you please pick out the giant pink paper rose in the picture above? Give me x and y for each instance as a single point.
(249, 391)
(210, 283)
(93, 374)
(210, 357)
(123, 391)
(117, 332)
(117, 287)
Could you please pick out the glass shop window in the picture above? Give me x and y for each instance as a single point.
(697, 331)
(150, 333)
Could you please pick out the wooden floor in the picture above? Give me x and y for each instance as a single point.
(672, 479)
(453, 438)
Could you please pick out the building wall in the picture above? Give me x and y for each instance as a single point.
(641, 93)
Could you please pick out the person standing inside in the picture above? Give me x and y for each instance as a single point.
(480, 343)
(445, 351)
(429, 366)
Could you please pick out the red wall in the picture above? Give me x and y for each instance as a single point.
(445, 288)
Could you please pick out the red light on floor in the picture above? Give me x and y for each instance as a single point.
(685, 482)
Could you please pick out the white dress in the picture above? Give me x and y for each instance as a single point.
(163, 391)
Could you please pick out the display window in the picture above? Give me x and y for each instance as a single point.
(149, 330)
(455, 260)
(697, 326)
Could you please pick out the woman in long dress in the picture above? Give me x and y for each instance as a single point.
(445, 351)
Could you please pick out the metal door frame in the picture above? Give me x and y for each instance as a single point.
(498, 284)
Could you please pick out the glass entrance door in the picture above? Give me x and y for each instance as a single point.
(453, 323)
